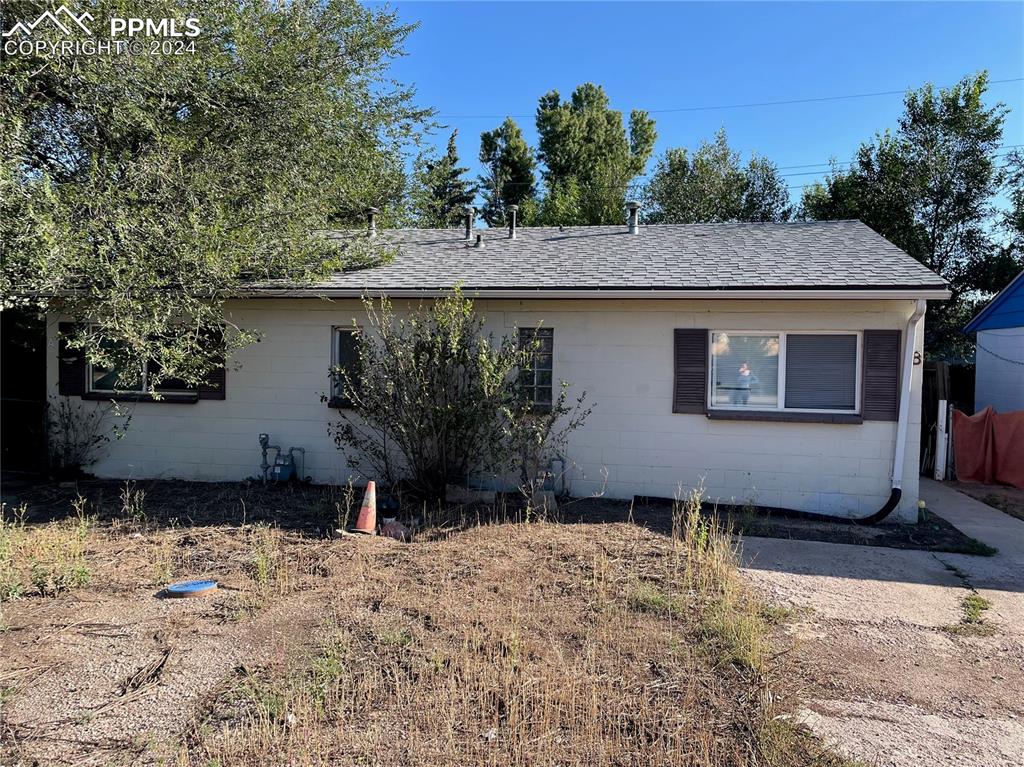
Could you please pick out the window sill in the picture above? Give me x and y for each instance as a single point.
(784, 416)
(179, 399)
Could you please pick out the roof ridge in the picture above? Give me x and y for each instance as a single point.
(567, 227)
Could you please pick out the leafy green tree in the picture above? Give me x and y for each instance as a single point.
(588, 156)
(765, 196)
(511, 174)
(929, 188)
(137, 191)
(441, 192)
(712, 186)
(1007, 261)
(1013, 219)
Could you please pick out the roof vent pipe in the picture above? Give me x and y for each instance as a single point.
(479, 241)
(371, 220)
(512, 209)
(470, 221)
(634, 216)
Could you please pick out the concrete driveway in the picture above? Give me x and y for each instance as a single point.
(883, 673)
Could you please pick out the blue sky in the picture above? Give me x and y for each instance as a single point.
(498, 58)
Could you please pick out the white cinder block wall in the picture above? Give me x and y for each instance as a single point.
(998, 381)
(619, 351)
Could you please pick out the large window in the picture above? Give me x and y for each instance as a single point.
(536, 380)
(344, 357)
(119, 380)
(785, 371)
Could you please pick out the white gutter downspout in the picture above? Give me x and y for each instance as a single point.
(902, 419)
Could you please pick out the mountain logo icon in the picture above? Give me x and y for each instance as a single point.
(69, 23)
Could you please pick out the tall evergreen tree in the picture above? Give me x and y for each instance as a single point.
(510, 178)
(589, 158)
(441, 191)
(711, 186)
(929, 188)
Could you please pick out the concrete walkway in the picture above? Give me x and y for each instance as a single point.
(885, 676)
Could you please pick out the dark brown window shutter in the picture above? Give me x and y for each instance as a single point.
(691, 371)
(881, 389)
(70, 364)
(216, 383)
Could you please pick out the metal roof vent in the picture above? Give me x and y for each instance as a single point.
(512, 210)
(479, 241)
(470, 221)
(634, 216)
(371, 220)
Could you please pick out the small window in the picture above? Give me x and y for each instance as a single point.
(536, 380)
(745, 370)
(785, 371)
(344, 357)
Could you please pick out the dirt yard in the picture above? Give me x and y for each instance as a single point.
(1009, 500)
(507, 643)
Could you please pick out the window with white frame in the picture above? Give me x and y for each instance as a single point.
(802, 371)
(536, 381)
(344, 357)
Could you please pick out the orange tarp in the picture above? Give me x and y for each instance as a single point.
(989, 447)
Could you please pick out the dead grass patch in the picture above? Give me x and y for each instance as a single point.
(524, 644)
(488, 641)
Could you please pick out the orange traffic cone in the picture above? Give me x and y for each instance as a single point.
(367, 521)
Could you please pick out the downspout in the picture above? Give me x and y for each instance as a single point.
(902, 419)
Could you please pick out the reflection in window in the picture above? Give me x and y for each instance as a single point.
(745, 370)
(116, 378)
(344, 359)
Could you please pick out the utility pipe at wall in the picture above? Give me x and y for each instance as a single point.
(902, 420)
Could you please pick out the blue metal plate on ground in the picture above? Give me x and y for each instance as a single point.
(190, 588)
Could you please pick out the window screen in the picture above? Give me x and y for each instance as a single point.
(821, 371)
(536, 379)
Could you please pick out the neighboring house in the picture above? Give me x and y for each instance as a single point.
(764, 360)
(999, 370)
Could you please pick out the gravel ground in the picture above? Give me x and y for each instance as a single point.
(884, 675)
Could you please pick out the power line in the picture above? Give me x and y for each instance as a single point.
(849, 162)
(643, 180)
(752, 104)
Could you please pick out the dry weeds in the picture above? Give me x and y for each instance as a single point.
(483, 643)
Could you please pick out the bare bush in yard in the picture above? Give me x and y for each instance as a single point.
(77, 432)
(433, 398)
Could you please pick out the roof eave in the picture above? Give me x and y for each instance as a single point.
(937, 293)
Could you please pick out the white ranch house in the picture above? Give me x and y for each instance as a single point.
(768, 361)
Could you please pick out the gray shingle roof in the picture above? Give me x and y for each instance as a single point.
(831, 255)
